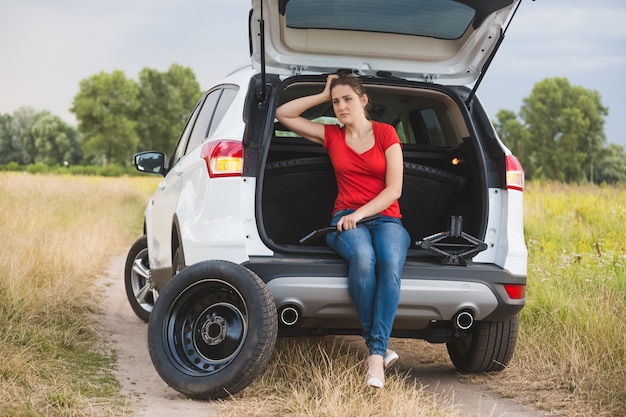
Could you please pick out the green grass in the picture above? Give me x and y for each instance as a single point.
(571, 353)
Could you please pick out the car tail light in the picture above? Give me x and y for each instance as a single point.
(514, 174)
(224, 158)
(515, 291)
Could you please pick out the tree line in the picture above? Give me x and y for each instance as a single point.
(558, 133)
(117, 116)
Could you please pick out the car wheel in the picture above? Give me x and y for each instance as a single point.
(213, 330)
(140, 290)
(485, 347)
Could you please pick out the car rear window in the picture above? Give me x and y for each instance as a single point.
(444, 19)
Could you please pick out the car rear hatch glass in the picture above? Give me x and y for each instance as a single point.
(383, 17)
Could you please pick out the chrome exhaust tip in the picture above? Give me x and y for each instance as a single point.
(463, 320)
(289, 315)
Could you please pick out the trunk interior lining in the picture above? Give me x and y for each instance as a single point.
(298, 197)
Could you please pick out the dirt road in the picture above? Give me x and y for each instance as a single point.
(149, 396)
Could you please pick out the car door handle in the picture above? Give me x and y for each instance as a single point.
(162, 185)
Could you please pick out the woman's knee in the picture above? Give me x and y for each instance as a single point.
(363, 261)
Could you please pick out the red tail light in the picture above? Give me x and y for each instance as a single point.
(224, 158)
(515, 291)
(514, 174)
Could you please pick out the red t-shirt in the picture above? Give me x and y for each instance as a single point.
(360, 177)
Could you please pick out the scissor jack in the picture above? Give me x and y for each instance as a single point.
(455, 247)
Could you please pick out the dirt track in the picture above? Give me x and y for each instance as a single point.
(149, 396)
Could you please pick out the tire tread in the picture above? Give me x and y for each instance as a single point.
(491, 347)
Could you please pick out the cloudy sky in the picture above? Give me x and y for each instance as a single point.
(48, 46)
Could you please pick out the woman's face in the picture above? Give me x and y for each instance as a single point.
(348, 106)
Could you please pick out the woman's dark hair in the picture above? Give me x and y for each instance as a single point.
(353, 82)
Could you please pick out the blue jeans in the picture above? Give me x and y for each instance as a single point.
(375, 252)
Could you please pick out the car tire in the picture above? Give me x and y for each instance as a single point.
(213, 330)
(485, 347)
(140, 290)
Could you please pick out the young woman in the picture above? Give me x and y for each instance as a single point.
(367, 159)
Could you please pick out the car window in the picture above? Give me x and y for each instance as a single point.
(434, 130)
(182, 142)
(282, 131)
(426, 128)
(201, 126)
(444, 19)
(401, 132)
(228, 95)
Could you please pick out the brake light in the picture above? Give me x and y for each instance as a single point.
(224, 158)
(514, 174)
(515, 291)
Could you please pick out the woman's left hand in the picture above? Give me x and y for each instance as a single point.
(349, 221)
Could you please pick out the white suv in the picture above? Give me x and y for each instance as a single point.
(240, 193)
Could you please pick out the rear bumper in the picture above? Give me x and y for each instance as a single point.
(317, 289)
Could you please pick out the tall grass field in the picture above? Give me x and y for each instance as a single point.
(571, 353)
(60, 232)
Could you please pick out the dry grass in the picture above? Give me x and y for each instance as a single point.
(321, 377)
(59, 233)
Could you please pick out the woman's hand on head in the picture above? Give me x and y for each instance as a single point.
(329, 80)
(290, 113)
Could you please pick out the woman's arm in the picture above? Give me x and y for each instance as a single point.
(289, 114)
(391, 192)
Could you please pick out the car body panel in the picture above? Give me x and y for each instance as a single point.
(420, 300)
(298, 38)
(317, 288)
(505, 234)
(512, 253)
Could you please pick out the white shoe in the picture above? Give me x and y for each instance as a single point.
(390, 358)
(375, 382)
(377, 361)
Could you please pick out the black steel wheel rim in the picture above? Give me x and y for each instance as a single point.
(206, 327)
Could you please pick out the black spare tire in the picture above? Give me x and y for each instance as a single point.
(212, 330)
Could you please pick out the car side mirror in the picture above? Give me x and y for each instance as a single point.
(150, 162)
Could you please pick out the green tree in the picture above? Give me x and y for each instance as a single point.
(5, 138)
(165, 101)
(16, 140)
(611, 165)
(516, 137)
(55, 141)
(105, 107)
(566, 127)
